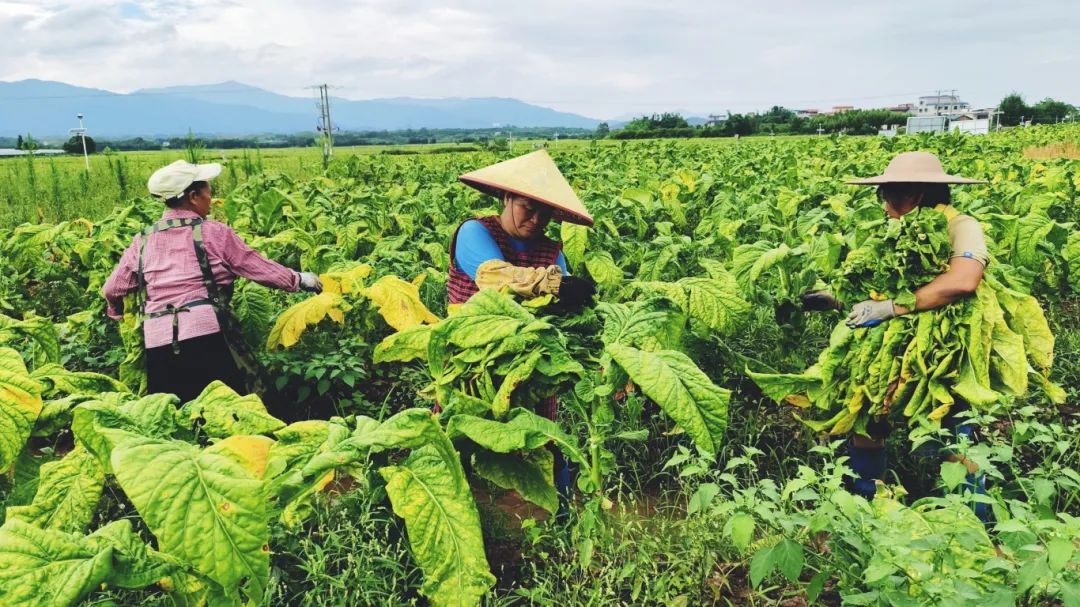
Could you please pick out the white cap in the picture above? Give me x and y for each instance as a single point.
(171, 181)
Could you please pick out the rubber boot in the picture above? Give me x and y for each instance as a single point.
(562, 486)
(868, 463)
(975, 482)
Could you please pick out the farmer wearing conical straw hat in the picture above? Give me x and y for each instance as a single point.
(510, 250)
(912, 180)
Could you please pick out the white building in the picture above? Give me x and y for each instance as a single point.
(941, 105)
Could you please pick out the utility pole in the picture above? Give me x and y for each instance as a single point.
(81, 132)
(325, 127)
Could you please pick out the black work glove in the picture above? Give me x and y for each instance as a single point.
(576, 291)
(818, 301)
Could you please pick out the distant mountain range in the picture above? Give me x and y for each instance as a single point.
(48, 109)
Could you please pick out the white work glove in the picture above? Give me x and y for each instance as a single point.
(870, 313)
(309, 281)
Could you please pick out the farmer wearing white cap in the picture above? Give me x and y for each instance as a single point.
(182, 269)
(912, 180)
(510, 250)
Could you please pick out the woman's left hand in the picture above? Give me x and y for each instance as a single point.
(870, 313)
(310, 282)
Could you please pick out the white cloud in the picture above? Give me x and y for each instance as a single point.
(600, 58)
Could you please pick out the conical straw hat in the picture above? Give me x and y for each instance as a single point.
(914, 167)
(534, 176)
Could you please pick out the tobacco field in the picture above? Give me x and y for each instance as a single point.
(704, 413)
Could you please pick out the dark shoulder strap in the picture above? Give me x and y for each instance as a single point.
(213, 292)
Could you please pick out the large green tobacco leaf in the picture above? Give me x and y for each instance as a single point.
(779, 386)
(523, 431)
(254, 309)
(57, 380)
(653, 324)
(1009, 362)
(752, 260)
(132, 370)
(603, 269)
(203, 507)
(1071, 253)
(1031, 230)
(67, 494)
(20, 405)
(517, 375)
(100, 425)
(1025, 316)
(681, 389)
(39, 330)
(529, 474)
(295, 446)
(409, 429)
(432, 496)
(404, 346)
(45, 568)
(715, 302)
(575, 239)
(153, 415)
(488, 317)
(56, 414)
(223, 413)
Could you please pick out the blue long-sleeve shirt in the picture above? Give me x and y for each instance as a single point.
(475, 245)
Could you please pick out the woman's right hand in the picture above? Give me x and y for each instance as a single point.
(310, 282)
(819, 301)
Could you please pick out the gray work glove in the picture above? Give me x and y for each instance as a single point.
(870, 313)
(309, 281)
(819, 301)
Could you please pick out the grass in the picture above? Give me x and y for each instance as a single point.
(1058, 150)
(38, 189)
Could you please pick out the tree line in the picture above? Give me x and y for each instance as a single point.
(782, 121)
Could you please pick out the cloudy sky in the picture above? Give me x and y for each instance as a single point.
(601, 58)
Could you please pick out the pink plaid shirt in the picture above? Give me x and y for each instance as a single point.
(173, 276)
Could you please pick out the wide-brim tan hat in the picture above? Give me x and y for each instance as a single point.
(914, 167)
(533, 176)
(171, 181)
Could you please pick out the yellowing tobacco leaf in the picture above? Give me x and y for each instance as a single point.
(345, 281)
(399, 303)
(248, 450)
(20, 405)
(292, 323)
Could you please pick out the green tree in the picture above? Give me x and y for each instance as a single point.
(602, 130)
(19, 143)
(1051, 110)
(75, 146)
(667, 120)
(777, 115)
(1012, 109)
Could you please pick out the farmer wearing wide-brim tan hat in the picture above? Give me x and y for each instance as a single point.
(510, 250)
(913, 180)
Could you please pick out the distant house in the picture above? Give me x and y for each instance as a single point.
(941, 105)
(717, 119)
(811, 113)
(903, 108)
(15, 152)
(840, 109)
